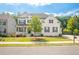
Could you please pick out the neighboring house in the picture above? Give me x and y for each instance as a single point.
(22, 24)
(51, 26)
(7, 24)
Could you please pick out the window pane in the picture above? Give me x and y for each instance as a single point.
(4, 23)
(55, 29)
(22, 22)
(50, 21)
(20, 29)
(17, 29)
(4, 30)
(24, 29)
(46, 29)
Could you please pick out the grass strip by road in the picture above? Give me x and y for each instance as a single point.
(36, 45)
(66, 42)
(30, 39)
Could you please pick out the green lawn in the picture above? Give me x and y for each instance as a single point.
(30, 39)
(49, 39)
(37, 45)
(16, 39)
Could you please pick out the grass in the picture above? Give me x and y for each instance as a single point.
(30, 39)
(16, 39)
(36, 45)
(49, 39)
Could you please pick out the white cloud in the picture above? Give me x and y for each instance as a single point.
(31, 2)
(9, 12)
(39, 2)
(73, 12)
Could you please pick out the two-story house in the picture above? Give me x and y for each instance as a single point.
(22, 24)
(7, 24)
(51, 26)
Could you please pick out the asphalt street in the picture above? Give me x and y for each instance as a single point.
(42, 50)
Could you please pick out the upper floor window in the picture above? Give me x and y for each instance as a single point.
(28, 21)
(50, 21)
(22, 21)
(46, 29)
(4, 23)
(55, 29)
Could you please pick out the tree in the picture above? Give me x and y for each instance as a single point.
(77, 22)
(36, 24)
(63, 20)
(71, 24)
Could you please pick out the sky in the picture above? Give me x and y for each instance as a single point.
(58, 8)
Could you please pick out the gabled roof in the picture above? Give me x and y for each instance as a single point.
(5, 16)
(25, 14)
(41, 15)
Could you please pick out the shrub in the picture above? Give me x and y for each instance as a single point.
(20, 35)
(41, 34)
(32, 35)
(67, 31)
(2, 35)
(60, 35)
(76, 31)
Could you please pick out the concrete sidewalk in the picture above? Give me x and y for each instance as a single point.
(38, 42)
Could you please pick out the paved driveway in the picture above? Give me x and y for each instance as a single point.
(44, 50)
(71, 37)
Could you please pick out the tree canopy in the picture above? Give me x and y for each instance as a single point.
(36, 24)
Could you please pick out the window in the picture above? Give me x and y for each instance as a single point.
(20, 29)
(4, 30)
(4, 23)
(28, 21)
(24, 29)
(55, 29)
(50, 21)
(17, 29)
(22, 22)
(46, 29)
